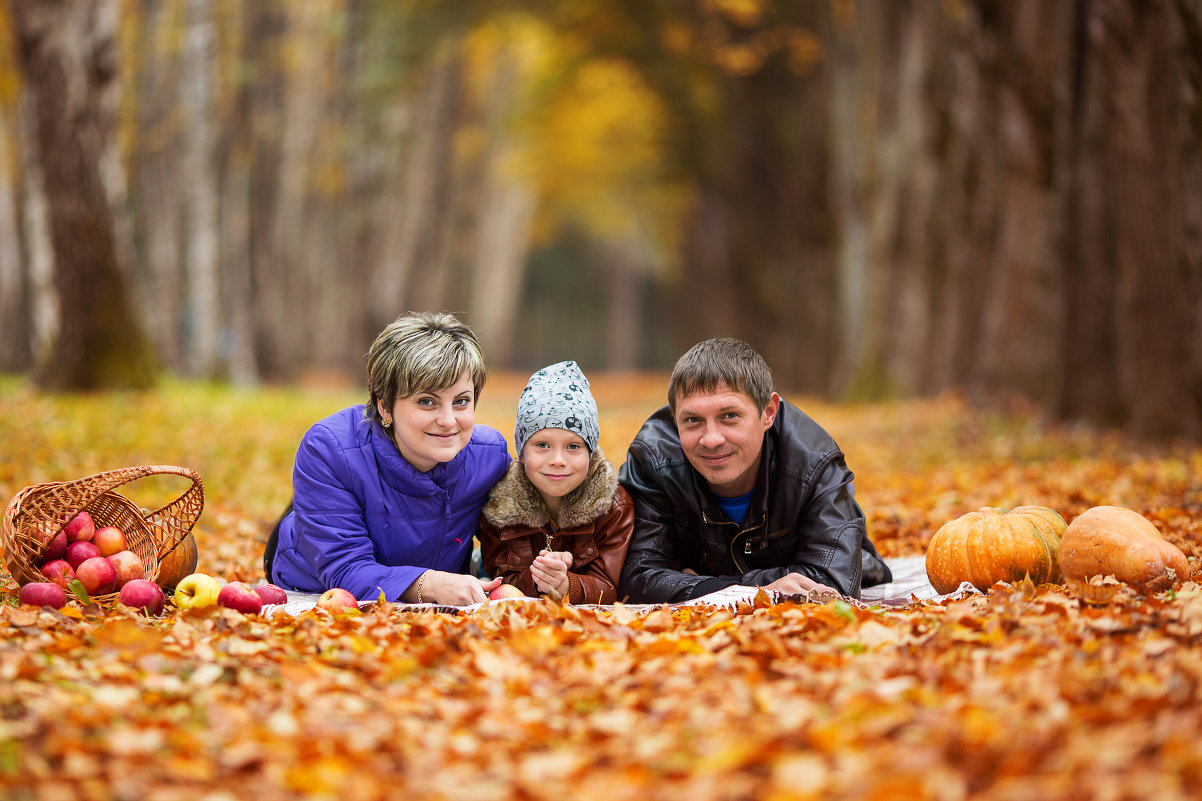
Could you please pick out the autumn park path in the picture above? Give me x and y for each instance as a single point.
(1023, 693)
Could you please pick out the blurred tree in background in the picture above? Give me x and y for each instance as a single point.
(887, 198)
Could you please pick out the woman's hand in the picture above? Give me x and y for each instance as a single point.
(452, 589)
(550, 572)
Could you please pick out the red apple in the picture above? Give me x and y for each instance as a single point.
(80, 527)
(505, 591)
(109, 540)
(42, 593)
(238, 595)
(128, 566)
(57, 547)
(58, 571)
(143, 594)
(337, 598)
(97, 575)
(271, 594)
(80, 551)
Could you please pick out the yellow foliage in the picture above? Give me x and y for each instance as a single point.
(586, 134)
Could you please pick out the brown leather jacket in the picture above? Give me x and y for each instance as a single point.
(596, 520)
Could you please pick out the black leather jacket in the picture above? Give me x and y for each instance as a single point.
(802, 519)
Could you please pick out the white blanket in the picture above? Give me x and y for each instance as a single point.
(909, 585)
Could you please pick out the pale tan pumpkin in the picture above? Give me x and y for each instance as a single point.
(1120, 542)
(992, 545)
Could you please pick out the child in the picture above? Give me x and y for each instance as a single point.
(387, 495)
(558, 522)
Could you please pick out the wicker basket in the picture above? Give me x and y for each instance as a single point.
(38, 513)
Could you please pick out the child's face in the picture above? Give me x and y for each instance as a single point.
(432, 427)
(556, 462)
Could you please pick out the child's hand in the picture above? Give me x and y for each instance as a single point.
(550, 572)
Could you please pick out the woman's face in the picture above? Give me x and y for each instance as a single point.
(432, 427)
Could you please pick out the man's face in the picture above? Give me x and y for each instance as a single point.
(722, 434)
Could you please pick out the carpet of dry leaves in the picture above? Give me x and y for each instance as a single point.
(1023, 693)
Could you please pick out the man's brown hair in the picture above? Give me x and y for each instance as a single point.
(723, 361)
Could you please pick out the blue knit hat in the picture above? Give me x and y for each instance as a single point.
(557, 397)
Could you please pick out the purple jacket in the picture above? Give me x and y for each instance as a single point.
(366, 520)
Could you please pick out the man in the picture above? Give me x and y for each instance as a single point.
(734, 486)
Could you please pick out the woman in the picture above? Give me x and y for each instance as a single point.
(387, 495)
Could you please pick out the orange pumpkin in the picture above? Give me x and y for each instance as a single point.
(179, 562)
(992, 545)
(1120, 542)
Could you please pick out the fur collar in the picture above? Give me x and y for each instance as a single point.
(514, 501)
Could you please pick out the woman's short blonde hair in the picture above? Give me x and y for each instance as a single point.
(421, 352)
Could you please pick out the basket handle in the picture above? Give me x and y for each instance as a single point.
(175, 519)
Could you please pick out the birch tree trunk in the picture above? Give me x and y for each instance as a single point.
(68, 55)
(503, 229)
(234, 149)
(419, 256)
(157, 192)
(35, 236)
(199, 177)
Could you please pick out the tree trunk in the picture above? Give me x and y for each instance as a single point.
(16, 319)
(760, 255)
(1150, 72)
(157, 192)
(35, 236)
(263, 55)
(1025, 50)
(69, 58)
(623, 319)
(423, 256)
(233, 157)
(198, 170)
(503, 228)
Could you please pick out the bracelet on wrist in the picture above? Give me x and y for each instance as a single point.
(420, 581)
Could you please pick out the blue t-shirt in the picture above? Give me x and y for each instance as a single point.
(736, 508)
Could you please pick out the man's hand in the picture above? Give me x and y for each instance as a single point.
(550, 572)
(797, 584)
(456, 589)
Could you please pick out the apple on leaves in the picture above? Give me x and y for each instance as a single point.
(144, 595)
(271, 594)
(196, 591)
(42, 593)
(337, 598)
(239, 595)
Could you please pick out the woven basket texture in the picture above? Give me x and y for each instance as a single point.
(38, 513)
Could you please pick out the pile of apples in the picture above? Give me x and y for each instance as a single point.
(101, 561)
(99, 558)
(200, 590)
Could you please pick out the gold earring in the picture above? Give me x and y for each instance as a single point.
(388, 424)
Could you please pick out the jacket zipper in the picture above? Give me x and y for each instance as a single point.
(734, 556)
(446, 520)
